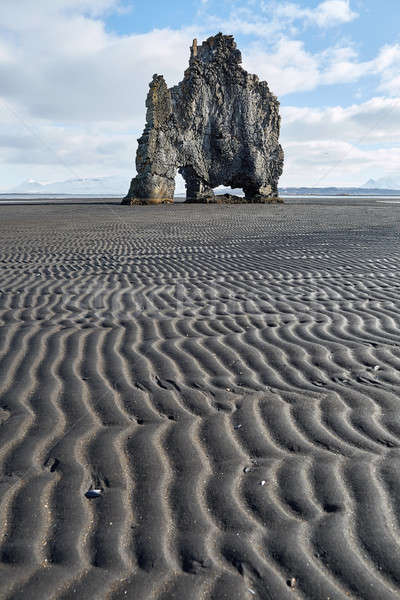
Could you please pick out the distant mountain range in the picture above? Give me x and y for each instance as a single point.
(114, 185)
(339, 191)
(384, 183)
(384, 186)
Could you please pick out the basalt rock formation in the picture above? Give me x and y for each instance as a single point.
(219, 126)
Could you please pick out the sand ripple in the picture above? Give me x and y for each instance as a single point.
(228, 377)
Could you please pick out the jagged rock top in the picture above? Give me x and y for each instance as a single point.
(217, 48)
(219, 126)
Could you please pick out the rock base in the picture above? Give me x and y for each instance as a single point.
(219, 199)
(144, 201)
(232, 199)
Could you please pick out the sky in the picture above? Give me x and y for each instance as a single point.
(74, 77)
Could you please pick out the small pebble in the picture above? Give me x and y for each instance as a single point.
(94, 493)
(291, 582)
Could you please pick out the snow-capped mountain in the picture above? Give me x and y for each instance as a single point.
(383, 183)
(113, 185)
(30, 186)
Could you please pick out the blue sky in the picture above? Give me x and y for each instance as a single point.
(75, 75)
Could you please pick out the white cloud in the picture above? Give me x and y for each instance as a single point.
(388, 64)
(73, 69)
(341, 145)
(325, 14)
(264, 19)
(289, 67)
(74, 93)
(79, 149)
(333, 12)
(22, 15)
(375, 121)
(328, 162)
(341, 65)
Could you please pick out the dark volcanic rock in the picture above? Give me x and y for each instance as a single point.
(219, 126)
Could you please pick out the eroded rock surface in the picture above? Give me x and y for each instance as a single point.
(219, 126)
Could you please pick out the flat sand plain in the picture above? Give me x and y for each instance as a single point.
(226, 376)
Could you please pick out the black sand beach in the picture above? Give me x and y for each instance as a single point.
(226, 378)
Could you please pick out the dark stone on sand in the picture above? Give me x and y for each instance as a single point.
(219, 126)
(97, 493)
(291, 582)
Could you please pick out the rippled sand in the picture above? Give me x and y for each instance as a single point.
(227, 378)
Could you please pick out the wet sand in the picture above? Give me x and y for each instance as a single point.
(224, 380)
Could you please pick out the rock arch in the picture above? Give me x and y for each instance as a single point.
(219, 126)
